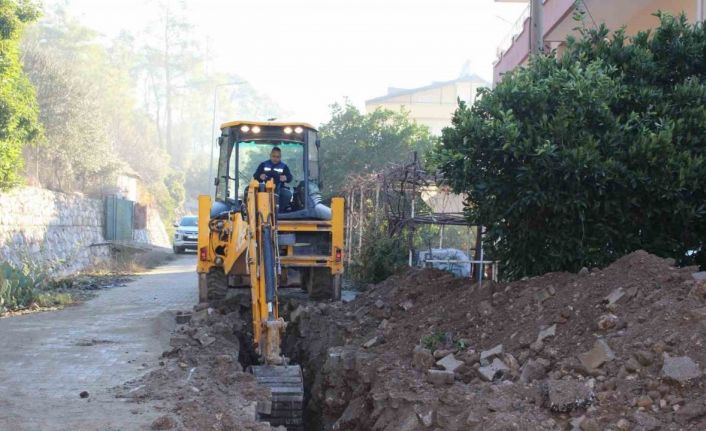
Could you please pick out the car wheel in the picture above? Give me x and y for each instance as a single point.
(177, 250)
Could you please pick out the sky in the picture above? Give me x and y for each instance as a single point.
(308, 54)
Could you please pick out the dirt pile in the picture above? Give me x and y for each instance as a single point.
(201, 378)
(620, 348)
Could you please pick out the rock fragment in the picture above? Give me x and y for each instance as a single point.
(203, 338)
(485, 308)
(496, 370)
(422, 359)
(487, 356)
(200, 315)
(646, 422)
(597, 356)
(563, 396)
(680, 368)
(406, 305)
(534, 370)
(297, 313)
(179, 340)
(623, 424)
(615, 296)
(427, 419)
(644, 357)
(370, 343)
(691, 411)
(449, 363)
(576, 423)
(182, 317)
(607, 321)
(547, 332)
(644, 401)
(590, 424)
(542, 296)
(440, 377)
(223, 360)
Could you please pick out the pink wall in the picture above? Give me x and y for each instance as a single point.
(555, 11)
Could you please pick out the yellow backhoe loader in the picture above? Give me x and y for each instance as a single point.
(250, 237)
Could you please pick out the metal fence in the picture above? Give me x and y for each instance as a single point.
(119, 219)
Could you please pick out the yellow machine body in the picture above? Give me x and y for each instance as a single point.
(230, 247)
(253, 235)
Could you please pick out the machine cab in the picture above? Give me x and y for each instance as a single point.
(246, 144)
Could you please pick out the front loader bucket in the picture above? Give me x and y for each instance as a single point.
(287, 385)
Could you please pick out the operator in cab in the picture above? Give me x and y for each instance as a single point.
(276, 169)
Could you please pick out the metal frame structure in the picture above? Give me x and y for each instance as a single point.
(391, 195)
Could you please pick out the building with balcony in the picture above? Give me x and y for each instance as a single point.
(432, 105)
(633, 15)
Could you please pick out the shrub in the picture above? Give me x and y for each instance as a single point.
(576, 161)
(380, 257)
(30, 282)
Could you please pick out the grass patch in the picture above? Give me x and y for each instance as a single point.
(22, 286)
(52, 299)
(434, 340)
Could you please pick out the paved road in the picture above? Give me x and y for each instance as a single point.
(47, 359)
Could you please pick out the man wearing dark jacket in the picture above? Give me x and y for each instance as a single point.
(276, 169)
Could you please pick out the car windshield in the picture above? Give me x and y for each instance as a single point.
(189, 221)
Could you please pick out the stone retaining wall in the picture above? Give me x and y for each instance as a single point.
(155, 233)
(61, 230)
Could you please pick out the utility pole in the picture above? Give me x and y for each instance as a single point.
(536, 27)
(211, 186)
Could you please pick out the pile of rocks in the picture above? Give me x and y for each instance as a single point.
(615, 349)
(200, 381)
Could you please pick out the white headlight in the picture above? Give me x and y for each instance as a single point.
(256, 129)
(245, 128)
(288, 130)
(298, 129)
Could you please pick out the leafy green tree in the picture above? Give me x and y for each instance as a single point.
(77, 154)
(93, 125)
(18, 109)
(353, 142)
(575, 161)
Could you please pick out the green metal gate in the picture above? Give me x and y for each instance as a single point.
(119, 219)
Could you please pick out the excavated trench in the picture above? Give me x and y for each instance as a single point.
(317, 339)
(312, 330)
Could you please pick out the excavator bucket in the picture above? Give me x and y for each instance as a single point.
(287, 385)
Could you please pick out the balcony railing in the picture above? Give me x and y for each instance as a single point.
(515, 31)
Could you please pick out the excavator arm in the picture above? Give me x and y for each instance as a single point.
(263, 267)
(251, 235)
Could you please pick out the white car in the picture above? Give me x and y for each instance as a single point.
(186, 235)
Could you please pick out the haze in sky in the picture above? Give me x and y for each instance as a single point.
(307, 54)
